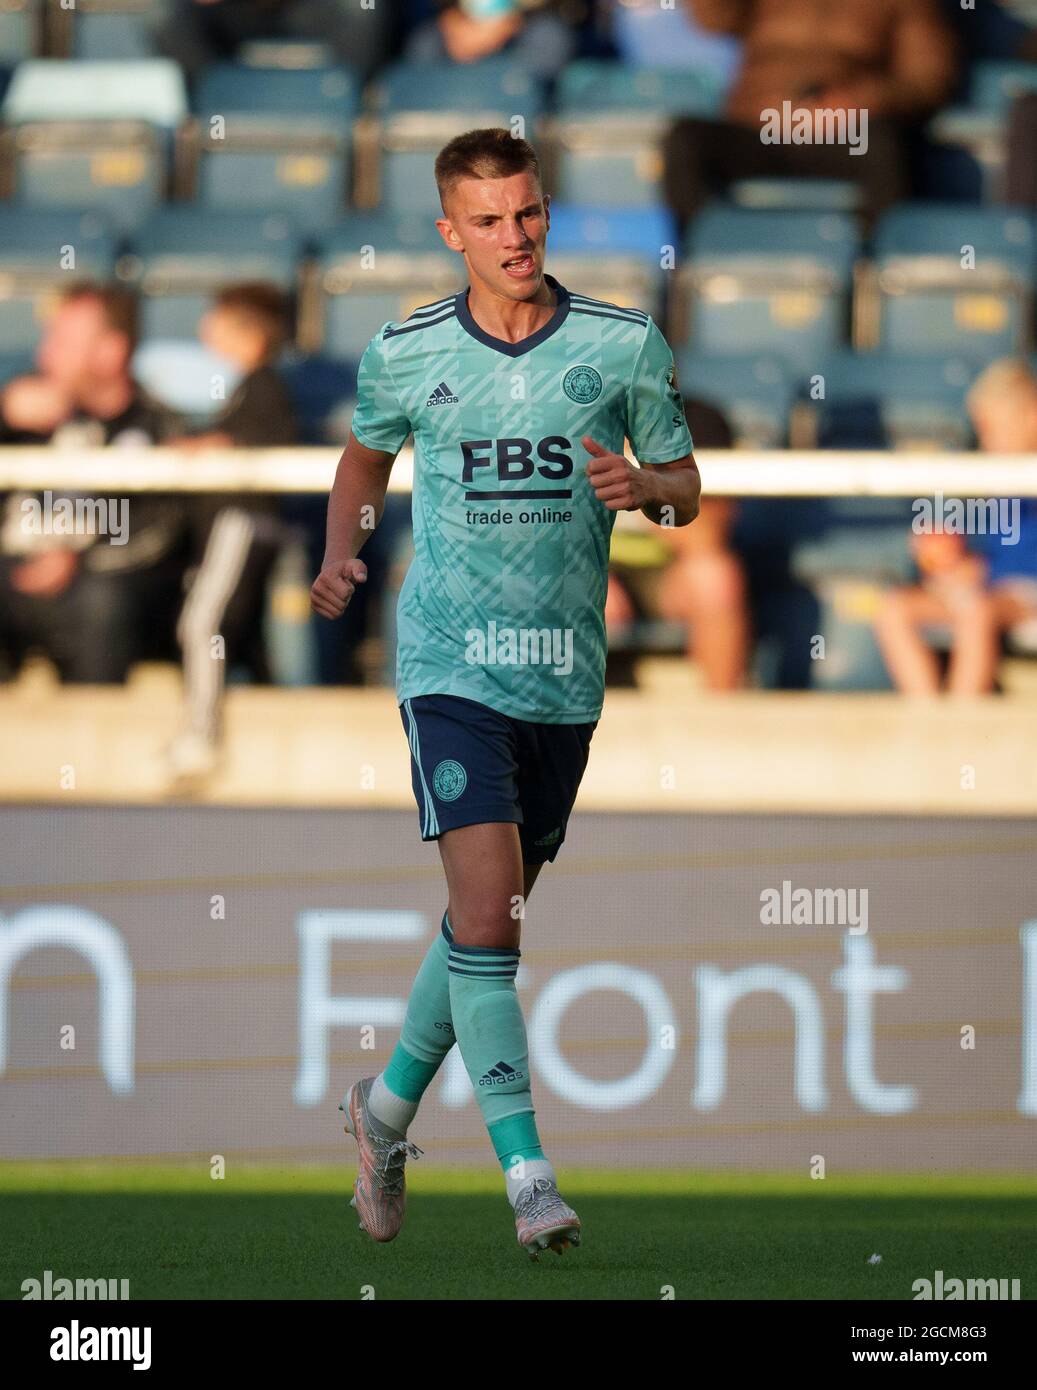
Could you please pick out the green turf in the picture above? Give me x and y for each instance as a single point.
(289, 1233)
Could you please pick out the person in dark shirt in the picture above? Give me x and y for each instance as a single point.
(88, 597)
(236, 538)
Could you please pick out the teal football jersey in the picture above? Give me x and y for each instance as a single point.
(504, 601)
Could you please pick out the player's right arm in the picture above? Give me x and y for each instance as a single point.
(354, 510)
(380, 428)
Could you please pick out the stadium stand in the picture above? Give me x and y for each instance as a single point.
(275, 140)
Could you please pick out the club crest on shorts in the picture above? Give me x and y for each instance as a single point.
(449, 780)
(582, 384)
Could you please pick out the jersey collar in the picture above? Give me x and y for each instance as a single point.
(464, 317)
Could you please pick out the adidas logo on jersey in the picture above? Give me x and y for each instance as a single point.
(499, 1074)
(442, 395)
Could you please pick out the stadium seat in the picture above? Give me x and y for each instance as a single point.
(610, 253)
(950, 278)
(376, 267)
(754, 393)
(276, 140)
(877, 401)
(323, 392)
(20, 22)
(979, 124)
(783, 195)
(115, 29)
(761, 282)
(604, 141)
(41, 252)
(182, 375)
(182, 255)
(97, 135)
(420, 107)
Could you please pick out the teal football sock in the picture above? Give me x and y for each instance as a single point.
(491, 1034)
(425, 1039)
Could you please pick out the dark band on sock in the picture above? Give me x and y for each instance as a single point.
(484, 962)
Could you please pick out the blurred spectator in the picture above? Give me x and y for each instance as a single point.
(893, 59)
(236, 538)
(976, 592)
(466, 30)
(695, 580)
(86, 599)
(201, 32)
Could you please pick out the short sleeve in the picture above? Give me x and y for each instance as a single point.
(379, 420)
(656, 425)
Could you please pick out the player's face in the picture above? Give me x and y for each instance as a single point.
(500, 227)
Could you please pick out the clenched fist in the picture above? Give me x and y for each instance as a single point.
(335, 586)
(615, 480)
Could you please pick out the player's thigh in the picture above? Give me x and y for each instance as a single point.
(486, 883)
(552, 761)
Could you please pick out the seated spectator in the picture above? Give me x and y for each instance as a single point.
(201, 32)
(891, 61)
(695, 580)
(86, 600)
(466, 30)
(980, 590)
(236, 538)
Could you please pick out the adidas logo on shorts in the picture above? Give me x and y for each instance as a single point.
(442, 395)
(499, 1074)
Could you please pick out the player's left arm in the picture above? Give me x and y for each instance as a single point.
(666, 487)
(667, 493)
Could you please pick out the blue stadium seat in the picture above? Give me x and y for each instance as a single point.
(754, 393)
(610, 253)
(14, 364)
(276, 140)
(115, 29)
(184, 254)
(49, 89)
(929, 299)
(20, 22)
(373, 268)
(94, 134)
(422, 106)
(993, 86)
(611, 118)
(36, 250)
(182, 376)
(767, 282)
(323, 392)
(601, 84)
(607, 231)
(785, 195)
(877, 401)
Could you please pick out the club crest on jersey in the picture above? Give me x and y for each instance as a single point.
(449, 780)
(582, 384)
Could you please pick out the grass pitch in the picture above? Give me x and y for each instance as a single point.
(282, 1232)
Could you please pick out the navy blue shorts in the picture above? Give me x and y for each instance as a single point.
(471, 765)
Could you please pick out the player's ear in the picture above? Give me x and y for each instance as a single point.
(547, 211)
(446, 231)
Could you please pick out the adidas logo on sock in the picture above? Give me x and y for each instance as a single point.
(442, 395)
(501, 1073)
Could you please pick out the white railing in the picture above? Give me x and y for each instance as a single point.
(737, 473)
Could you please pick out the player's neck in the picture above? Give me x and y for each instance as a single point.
(509, 319)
